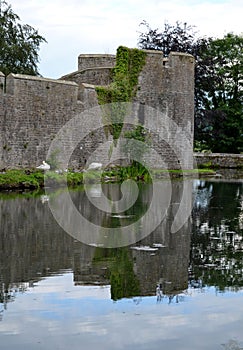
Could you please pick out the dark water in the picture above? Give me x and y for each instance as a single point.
(58, 293)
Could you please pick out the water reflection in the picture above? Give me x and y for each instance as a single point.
(56, 292)
(207, 250)
(217, 235)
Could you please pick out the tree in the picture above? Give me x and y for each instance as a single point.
(219, 121)
(179, 37)
(19, 43)
(218, 82)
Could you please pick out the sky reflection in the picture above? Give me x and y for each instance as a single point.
(56, 314)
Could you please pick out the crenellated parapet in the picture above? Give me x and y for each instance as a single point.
(86, 61)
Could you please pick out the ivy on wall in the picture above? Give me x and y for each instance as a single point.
(129, 63)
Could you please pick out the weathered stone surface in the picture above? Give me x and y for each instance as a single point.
(86, 61)
(222, 160)
(33, 110)
(168, 86)
(96, 76)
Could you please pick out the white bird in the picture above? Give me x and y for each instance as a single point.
(95, 166)
(44, 198)
(44, 166)
(61, 171)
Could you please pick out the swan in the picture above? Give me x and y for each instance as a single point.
(44, 166)
(61, 171)
(95, 166)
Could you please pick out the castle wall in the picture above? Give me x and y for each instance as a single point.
(33, 111)
(95, 76)
(93, 69)
(221, 160)
(2, 87)
(2, 110)
(167, 85)
(95, 60)
(88, 95)
(2, 82)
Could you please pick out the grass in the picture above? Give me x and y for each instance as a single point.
(179, 172)
(34, 180)
(21, 179)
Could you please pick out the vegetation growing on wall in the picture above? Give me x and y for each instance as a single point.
(135, 145)
(129, 63)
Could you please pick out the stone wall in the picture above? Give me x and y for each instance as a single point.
(2, 107)
(2, 79)
(34, 109)
(167, 84)
(95, 76)
(221, 160)
(95, 60)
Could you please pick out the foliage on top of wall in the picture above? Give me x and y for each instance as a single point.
(129, 63)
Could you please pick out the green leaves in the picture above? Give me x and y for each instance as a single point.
(222, 106)
(129, 63)
(19, 43)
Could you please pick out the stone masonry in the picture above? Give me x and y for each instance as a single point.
(33, 109)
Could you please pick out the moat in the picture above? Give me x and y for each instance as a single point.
(181, 290)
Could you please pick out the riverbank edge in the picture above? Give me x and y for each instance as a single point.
(32, 179)
(205, 165)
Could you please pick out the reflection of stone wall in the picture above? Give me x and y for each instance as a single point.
(85, 270)
(33, 245)
(162, 257)
(168, 265)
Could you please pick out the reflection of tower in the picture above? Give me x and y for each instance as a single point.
(163, 257)
(165, 263)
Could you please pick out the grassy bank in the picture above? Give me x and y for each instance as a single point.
(32, 179)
